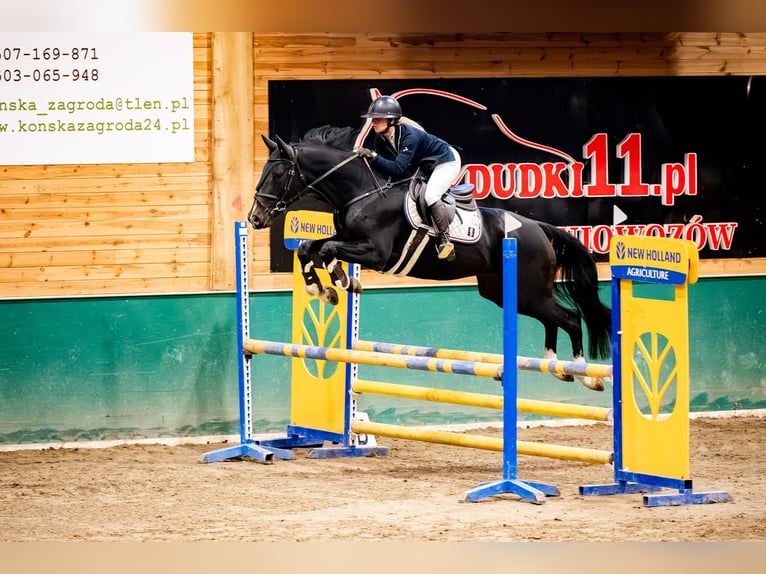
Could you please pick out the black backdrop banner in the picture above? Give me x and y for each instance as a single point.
(599, 157)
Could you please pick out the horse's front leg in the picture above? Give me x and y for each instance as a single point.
(341, 279)
(364, 252)
(310, 260)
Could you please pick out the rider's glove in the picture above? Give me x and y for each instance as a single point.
(364, 152)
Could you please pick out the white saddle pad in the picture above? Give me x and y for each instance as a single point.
(464, 228)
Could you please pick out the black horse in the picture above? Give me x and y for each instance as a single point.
(371, 230)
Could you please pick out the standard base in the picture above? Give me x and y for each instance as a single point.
(687, 497)
(683, 496)
(533, 492)
(258, 453)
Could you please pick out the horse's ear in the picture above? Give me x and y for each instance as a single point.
(285, 148)
(272, 145)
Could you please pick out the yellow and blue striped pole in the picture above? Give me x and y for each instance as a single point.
(557, 367)
(256, 346)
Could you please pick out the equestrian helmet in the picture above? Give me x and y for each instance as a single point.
(384, 107)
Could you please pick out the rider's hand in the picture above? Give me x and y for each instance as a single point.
(366, 153)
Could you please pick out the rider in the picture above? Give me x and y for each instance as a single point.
(401, 146)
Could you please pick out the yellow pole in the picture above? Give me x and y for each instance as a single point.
(428, 394)
(428, 435)
(587, 455)
(552, 408)
(482, 400)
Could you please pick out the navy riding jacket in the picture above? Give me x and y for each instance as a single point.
(413, 147)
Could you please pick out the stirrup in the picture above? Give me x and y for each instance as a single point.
(446, 251)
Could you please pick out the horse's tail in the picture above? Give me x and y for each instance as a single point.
(579, 286)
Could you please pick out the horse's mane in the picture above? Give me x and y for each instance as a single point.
(340, 138)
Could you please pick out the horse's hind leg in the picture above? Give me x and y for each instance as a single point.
(551, 340)
(552, 316)
(572, 324)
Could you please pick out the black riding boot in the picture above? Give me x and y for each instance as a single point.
(440, 217)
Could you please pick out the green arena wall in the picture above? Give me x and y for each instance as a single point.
(128, 368)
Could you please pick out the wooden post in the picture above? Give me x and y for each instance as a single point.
(232, 147)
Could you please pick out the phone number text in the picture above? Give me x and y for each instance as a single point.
(17, 54)
(50, 75)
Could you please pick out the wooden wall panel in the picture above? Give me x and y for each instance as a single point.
(232, 169)
(89, 230)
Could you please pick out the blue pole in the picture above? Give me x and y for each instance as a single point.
(510, 350)
(247, 446)
(243, 333)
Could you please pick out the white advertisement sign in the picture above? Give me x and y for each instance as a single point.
(89, 98)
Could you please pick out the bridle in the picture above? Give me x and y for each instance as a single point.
(283, 200)
(286, 196)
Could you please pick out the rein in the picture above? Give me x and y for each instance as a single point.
(283, 202)
(325, 174)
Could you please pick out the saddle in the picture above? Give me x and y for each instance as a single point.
(465, 219)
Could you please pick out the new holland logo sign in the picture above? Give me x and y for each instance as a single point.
(654, 260)
(303, 225)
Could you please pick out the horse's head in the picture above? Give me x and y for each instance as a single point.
(287, 178)
(279, 186)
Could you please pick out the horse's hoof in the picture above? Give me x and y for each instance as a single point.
(330, 296)
(354, 286)
(565, 378)
(593, 383)
(312, 290)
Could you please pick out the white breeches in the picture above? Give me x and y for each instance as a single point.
(443, 176)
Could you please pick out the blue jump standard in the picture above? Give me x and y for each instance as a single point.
(529, 491)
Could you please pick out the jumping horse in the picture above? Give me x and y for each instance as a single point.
(371, 230)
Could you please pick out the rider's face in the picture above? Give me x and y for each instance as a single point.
(380, 125)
